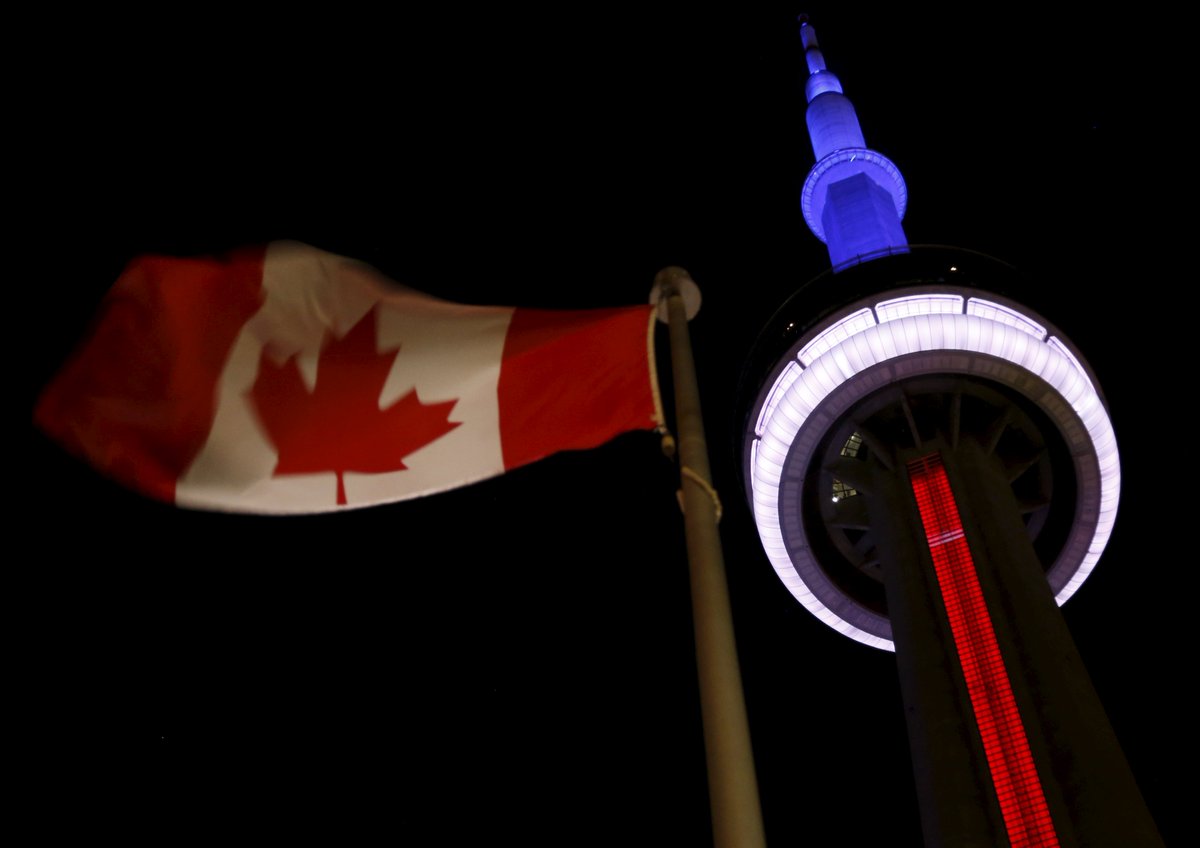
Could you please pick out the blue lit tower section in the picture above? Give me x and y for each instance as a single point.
(932, 471)
(854, 197)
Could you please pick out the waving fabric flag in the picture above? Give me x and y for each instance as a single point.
(289, 380)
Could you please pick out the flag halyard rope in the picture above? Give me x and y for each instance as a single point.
(684, 471)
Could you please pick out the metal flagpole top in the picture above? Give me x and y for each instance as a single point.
(674, 278)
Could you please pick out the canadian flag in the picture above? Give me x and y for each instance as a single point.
(286, 379)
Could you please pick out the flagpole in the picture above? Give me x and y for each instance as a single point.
(732, 783)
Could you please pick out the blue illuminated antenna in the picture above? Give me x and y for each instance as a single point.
(854, 197)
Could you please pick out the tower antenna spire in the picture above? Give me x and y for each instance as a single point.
(854, 198)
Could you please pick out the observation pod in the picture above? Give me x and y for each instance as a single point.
(940, 360)
(932, 470)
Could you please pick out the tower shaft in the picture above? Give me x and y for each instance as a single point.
(971, 771)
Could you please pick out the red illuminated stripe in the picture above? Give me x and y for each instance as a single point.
(1022, 802)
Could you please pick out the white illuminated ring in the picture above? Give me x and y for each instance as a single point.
(911, 335)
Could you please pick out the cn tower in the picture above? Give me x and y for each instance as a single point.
(932, 471)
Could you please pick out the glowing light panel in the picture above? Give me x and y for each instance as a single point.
(921, 304)
(1014, 775)
(789, 375)
(1005, 315)
(837, 332)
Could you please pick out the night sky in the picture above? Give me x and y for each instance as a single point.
(513, 660)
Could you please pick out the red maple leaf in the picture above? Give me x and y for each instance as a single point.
(339, 426)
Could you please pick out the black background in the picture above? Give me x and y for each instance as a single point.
(513, 661)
